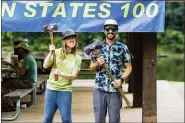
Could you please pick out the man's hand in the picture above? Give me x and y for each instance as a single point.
(100, 60)
(117, 83)
(15, 60)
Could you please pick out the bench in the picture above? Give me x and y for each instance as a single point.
(41, 83)
(86, 72)
(17, 95)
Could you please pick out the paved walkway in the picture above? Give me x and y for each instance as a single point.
(170, 105)
(170, 101)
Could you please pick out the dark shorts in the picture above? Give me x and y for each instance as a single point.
(14, 84)
(8, 86)
(107, 101)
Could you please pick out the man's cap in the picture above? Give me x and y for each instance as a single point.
(110, 22)
(68, 32)
(23, 45)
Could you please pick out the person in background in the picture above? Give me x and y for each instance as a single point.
(27, 72)
(59, 93)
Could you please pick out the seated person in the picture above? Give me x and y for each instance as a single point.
(27, 72)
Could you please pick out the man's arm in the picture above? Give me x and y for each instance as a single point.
(20, 71)
(94, 64)
(128, 70)
(125, 74)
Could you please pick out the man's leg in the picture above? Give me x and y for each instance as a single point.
(22, 84)
(8, 86)
(100, 106)
(114, 105)
(13, 84)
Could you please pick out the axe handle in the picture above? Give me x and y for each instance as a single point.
(54, 55)
(54, 61)
(113, 79)
(119, 88)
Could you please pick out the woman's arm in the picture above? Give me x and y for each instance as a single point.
(71, 76)
(47, 60)
(46, 63)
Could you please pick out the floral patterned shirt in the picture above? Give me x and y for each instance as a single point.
(115, 56)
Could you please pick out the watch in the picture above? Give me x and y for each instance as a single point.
(122, 80)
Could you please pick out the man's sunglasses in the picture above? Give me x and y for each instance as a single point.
(113, 29)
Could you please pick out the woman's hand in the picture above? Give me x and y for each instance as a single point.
(56, 72)
(51, 47)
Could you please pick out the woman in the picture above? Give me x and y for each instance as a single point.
(59, 93)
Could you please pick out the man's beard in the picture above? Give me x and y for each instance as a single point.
(111, 38)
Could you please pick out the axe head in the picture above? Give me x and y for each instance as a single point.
(91, 47)
(50, 27)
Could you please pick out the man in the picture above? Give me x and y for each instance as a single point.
(116, 56)
(27, 72)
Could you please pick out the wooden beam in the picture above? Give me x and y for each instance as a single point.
(134, 44)
(149, 108)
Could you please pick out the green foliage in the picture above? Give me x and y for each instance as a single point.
(175, 16)
(39, 42)
(170, 69)
(171, 41)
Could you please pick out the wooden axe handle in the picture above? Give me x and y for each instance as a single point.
(113, 79)
(54, 55)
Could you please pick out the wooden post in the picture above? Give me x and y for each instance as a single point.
(135, 47)
(130, 78)
(149, 108)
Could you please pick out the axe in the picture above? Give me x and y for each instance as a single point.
(52, 28)
(93, 49)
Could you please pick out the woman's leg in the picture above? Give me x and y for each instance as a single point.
(50, 106)
(64, 102)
